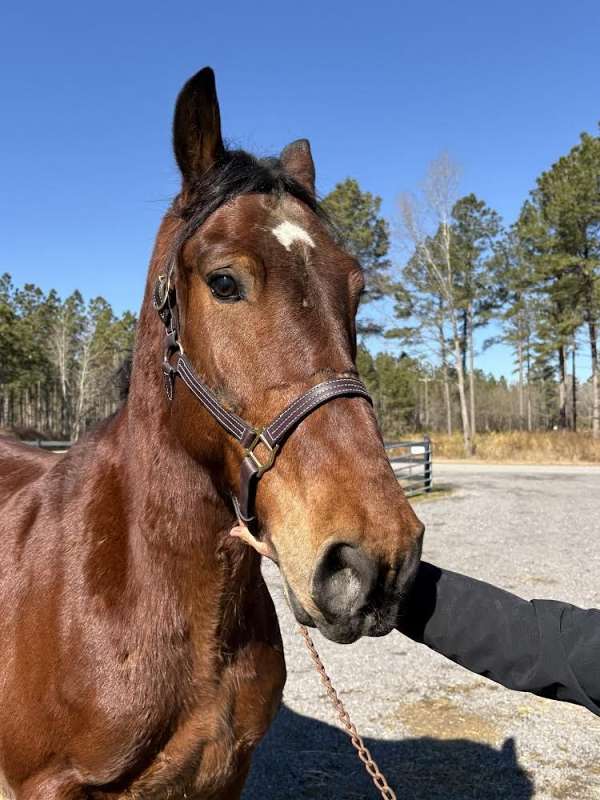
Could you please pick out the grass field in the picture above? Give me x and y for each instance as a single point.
(550, 447)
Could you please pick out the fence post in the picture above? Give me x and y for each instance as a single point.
(427, 468)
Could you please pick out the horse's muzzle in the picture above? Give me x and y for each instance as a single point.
(355, 595)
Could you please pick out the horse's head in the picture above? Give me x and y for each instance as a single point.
(267, 302)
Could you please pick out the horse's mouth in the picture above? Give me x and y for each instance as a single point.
(372, 620)
(369, 622)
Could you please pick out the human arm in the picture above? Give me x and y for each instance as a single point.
(545, 647)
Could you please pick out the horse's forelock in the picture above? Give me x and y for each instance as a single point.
(237, 173)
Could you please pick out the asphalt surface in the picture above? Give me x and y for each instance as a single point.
(437, 730)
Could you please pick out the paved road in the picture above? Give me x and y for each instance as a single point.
(439, 731)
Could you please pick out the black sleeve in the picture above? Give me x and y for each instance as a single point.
(543, 646)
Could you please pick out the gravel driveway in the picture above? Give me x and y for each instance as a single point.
(437, 730)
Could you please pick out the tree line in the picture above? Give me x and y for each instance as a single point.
(61, 360)
(533, 285)
(538, 280)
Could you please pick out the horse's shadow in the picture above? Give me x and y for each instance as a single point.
(304, 758)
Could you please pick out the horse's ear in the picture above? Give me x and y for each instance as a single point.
(297, 161)
(197, 126)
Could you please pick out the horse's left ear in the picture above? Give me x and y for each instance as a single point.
(297, 161)
(197, 137)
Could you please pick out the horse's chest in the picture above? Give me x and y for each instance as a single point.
(209, 750)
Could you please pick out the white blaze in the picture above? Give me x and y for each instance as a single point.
(288, 232)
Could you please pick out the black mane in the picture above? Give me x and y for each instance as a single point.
(237, 173)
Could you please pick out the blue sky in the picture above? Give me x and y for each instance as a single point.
(379, 89)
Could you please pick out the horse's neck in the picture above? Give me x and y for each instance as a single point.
(171, 489)
(176, 506)
(156, 540)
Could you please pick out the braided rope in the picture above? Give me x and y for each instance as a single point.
(363, 753)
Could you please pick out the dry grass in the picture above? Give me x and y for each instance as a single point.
(550, 447)
(439, 491)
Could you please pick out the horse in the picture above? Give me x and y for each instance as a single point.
(141, 653)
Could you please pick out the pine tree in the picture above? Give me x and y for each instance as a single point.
(519, 313)
(365, 234)
(58, 376)
(568, 200)
(479, 292)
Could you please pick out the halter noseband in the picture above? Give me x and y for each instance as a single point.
(176, 363)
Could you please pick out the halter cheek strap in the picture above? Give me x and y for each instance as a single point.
(261, 445)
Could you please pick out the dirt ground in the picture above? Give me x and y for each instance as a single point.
(437, 730)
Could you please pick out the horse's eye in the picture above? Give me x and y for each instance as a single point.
(224, 287)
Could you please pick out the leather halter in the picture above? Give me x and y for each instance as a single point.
(177, 364)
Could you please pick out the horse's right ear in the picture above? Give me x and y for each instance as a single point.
(197, 140)
(297, 161)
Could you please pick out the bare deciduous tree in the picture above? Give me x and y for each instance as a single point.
(426, 226)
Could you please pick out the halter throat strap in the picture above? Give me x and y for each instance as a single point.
(260, 445)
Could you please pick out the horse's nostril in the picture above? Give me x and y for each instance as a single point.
(343, 579)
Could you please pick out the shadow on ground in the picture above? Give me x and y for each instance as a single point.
(304, 758)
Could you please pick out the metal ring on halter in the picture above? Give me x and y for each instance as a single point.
(249, 452)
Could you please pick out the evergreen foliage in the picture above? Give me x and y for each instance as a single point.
(539, 281)
(362, 230)
(60, 360)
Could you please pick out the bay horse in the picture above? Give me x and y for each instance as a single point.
(141, 655)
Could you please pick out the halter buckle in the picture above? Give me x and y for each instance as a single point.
(162, 288)
(259, 438)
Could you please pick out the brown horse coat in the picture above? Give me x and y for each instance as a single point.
(141, 652)
(114, 621)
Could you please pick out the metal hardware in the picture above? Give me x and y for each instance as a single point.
(249, 452)
(161, 292)
(173, 344)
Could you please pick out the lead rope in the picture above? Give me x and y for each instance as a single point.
(365, 756)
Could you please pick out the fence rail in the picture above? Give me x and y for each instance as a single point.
(412, 463)
(49, 445)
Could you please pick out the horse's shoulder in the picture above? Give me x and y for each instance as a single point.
(20, 465)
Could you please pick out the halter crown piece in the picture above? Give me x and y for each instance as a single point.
(252, 468)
